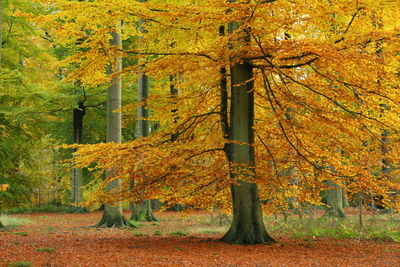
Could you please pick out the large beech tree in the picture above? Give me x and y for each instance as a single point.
(230, 146)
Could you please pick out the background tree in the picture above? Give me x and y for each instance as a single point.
(142, 211)
(113, 215)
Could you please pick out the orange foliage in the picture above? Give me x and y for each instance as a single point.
(326, 87)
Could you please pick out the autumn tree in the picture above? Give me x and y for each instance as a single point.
(240, 139)
(142, 211)
(113, 215)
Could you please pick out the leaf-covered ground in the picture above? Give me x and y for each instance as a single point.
(180, 239)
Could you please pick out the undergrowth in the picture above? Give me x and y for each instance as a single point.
(47, 208)
(45, 249)
(377, 227)
(19, 264)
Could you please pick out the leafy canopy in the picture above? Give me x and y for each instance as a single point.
(326, 86)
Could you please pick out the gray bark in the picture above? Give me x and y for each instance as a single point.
(360, 208)
(112, 214)
(142, 211)
(247, 224)
(335, 201)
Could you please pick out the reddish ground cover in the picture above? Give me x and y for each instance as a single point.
(71, 243)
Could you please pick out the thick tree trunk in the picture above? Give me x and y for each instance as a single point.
(142, 212)
(335, 201)
(247, 225)
(77, 196)
(112, 214)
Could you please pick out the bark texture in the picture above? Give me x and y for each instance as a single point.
(142, 211)
(247, 224)
(76, 191)
(112, 214)
(334, 200)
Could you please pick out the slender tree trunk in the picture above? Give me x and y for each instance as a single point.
(360, 208)
(247, 224)
(112, 214)
(174, 136)
(142, 211)
(78, 115)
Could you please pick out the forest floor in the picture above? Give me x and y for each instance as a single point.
(179, 239)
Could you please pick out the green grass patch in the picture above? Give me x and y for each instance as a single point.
(19, 264)
(139, 234)
(209, 229)
(136, 224)
(21, 233)
(45, 249)
(157, 232)
(177, 233)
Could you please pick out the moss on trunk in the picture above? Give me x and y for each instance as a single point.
(334, 200)
(113, 217)
(142, 212)
(247, 225)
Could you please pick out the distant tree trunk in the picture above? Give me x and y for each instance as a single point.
(344, 199)
(112, 214)
(142, 211)
(174, 92)
(78, 115)
(247, 224)
(335, 201)
(360, 208)
(174, 136)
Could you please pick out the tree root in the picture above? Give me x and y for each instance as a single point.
(109, 222)
(144, 218)
(78, 210)
(239, 238)
(338, 213)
